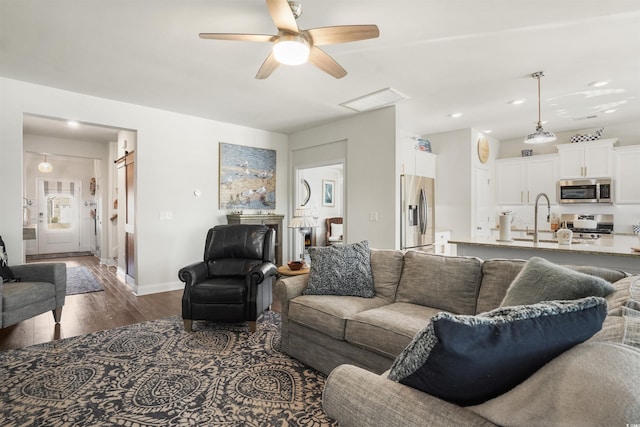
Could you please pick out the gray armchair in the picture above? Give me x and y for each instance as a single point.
(42, 287)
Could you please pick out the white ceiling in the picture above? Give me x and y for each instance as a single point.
(470, 56)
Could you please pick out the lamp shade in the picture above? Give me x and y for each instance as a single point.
(540, 136)
(303, 218)
(291, 49)
(45, 167)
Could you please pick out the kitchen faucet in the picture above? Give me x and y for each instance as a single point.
(535, 215)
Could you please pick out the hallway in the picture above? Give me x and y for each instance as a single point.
(84, 313)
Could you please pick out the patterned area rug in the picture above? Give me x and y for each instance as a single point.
(156, 374)
(81, 281)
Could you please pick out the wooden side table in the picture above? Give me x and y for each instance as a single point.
(286, 271)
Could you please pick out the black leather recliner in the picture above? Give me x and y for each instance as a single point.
(234, 282)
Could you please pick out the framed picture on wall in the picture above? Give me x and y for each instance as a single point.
(247, 177)
(328, 192)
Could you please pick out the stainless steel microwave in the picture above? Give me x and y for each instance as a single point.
(596, 190)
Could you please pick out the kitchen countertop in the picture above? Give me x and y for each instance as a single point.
(618, 245)
(615, 252)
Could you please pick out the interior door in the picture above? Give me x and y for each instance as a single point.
(130, 217)
(58, 215)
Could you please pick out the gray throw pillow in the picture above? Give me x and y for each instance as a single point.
(541, 280)
(341, 270)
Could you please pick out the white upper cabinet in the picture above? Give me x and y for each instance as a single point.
(520, 180)
(592, 159)
(627, 177)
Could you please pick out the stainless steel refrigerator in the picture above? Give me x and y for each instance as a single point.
(417, 200)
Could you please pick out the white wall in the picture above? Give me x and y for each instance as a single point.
(175, 154)
(457, 162)
(370, 174)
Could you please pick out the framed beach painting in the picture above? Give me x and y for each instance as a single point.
(247, 177)
(328, 192)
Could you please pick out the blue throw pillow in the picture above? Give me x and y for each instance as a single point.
(341, 270)
(468, 360)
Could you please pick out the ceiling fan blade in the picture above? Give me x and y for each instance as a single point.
(267, 67)
(320, 59)
(283, 16)
(341, 34)
(239, 37)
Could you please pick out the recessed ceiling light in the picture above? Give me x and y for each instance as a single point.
(599, 83)
(613, 110)
(374, 100)
(517, 101)
(455, 115)
(73, 124)
(487, 131)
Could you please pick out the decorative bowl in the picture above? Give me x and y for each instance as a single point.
(295, 265)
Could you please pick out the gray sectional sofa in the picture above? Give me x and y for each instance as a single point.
(356, 340)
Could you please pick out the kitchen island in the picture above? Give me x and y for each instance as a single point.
(611, 252)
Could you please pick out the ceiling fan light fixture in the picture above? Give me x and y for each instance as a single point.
(45, 167)
(291, 49)
(540, 136)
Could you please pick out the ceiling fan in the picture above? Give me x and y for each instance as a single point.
(292, 46)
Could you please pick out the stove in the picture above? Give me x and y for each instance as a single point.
(603, 228)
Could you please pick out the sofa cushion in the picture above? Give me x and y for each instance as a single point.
(541, 280)
(442, 282)
(497, 275)
(469, 359)
(593, 384)
(329, 313)
(387, 330)
(341, 270)
(386, 268)
(626, 290)
(623, 329)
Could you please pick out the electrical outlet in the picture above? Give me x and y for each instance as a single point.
(373, 216)
(166, 215)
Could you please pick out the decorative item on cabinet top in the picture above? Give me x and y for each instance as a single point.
(527, 153)
(587, 137)
(422, 145)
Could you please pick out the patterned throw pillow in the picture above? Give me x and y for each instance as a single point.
(468, 360)
(541, 280)
(5, 271)
(341, 270)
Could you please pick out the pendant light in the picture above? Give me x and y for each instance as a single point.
(540, 136)
(45, 167)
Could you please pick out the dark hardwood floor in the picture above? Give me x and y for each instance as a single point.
(84, 313)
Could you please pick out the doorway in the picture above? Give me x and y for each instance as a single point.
(79, 186)
(312, 184)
